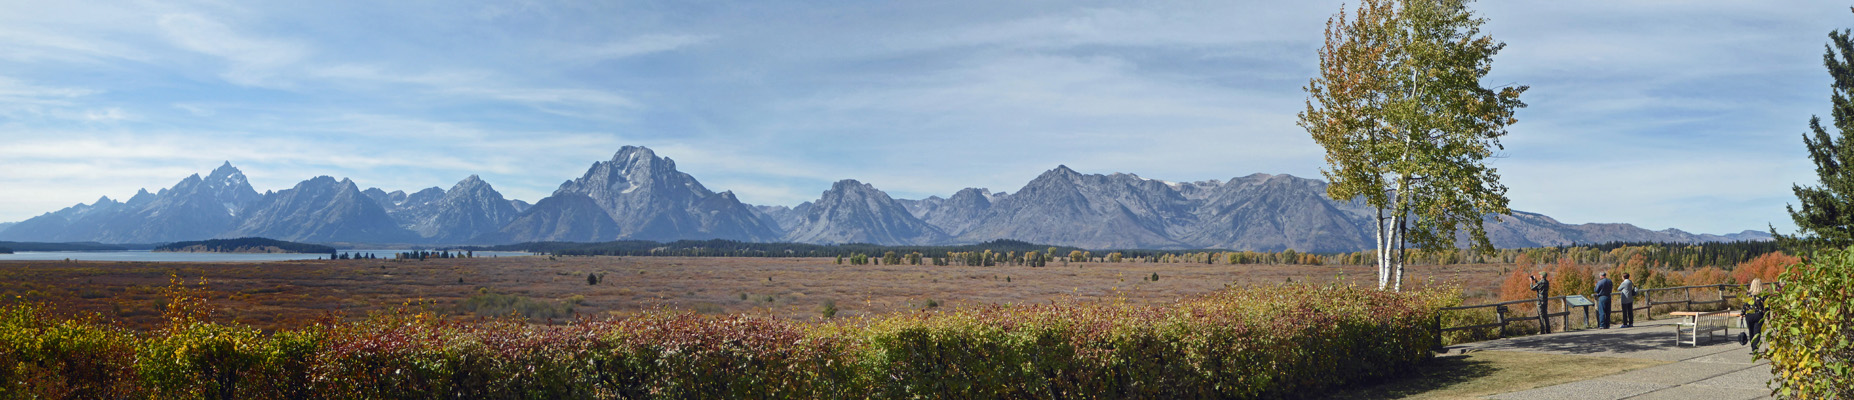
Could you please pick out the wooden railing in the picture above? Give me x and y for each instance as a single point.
(1646, 299)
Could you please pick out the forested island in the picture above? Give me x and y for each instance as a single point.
(77, 246)
(244, 245)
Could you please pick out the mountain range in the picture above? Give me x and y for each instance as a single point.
(637, 195)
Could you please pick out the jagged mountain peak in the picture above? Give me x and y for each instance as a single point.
(1066, 207)
(649, 199)
(971, 193)
(1062, 171)
(472, 183)
(638, 194)
(631, 169)
(856, 212)
(471, 209)
(638, 160)
(634, 154)
(225, 171)
(423, 196)
(851, 185)
(318, 180)
(321, 209)
(140, 198)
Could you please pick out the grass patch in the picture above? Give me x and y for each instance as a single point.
(1485, 373)
(489, 303)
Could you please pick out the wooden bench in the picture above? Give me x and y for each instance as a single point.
(1694, 323)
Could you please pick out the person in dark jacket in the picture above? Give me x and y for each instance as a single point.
(1754, 316)
(1603, 289)
(1542, 285)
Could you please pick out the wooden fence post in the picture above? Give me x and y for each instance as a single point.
(1649, 300)
(1689, 291)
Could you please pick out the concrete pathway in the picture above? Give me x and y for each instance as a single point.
(1716, 369)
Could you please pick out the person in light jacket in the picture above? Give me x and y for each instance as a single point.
(1626, 291)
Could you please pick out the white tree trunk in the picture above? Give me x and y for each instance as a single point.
(1391, 250)
(1397, 280)
(1382, 242)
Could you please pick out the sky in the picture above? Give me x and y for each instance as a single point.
(1663, 114)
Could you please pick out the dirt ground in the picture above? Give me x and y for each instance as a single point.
(292, 293)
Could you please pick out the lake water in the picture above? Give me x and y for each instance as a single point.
(144, 255)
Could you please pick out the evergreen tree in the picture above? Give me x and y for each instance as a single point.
(1826, 219)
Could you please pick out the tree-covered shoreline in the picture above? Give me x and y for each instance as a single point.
(245, 245)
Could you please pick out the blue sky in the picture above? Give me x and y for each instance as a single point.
(1682, 114)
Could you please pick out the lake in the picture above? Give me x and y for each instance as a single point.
(149, 256)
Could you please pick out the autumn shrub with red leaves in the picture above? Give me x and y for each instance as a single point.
(1278, 341)
(1766, 267)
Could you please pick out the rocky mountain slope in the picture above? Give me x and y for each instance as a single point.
(855, 212)
(563, 217)
(648, 199)
(471, 208)
(639, 195)
(195, 208)
(1066, 208)
(321, 210)
(1255, 212)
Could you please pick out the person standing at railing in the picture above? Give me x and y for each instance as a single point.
(1603, 287)
(1627, 292)
(1542, 285)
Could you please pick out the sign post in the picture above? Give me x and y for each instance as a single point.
(1577, 300)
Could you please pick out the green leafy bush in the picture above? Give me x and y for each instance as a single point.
(46, 357)
(490, 303)
(1810, 328)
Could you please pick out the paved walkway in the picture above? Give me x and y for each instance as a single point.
(1716, 369)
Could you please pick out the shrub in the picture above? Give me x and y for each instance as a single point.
(1269, 342)
(46, 357)
(1707, 276)
(490, 303)
(1518, 285)
(1766, 267)
(1570, 278)
(828, 310)
(1811, 328)
(201, 361)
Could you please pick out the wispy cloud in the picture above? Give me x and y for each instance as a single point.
(251, 60)
(635, 46)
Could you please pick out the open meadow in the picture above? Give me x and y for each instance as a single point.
(287, 294)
